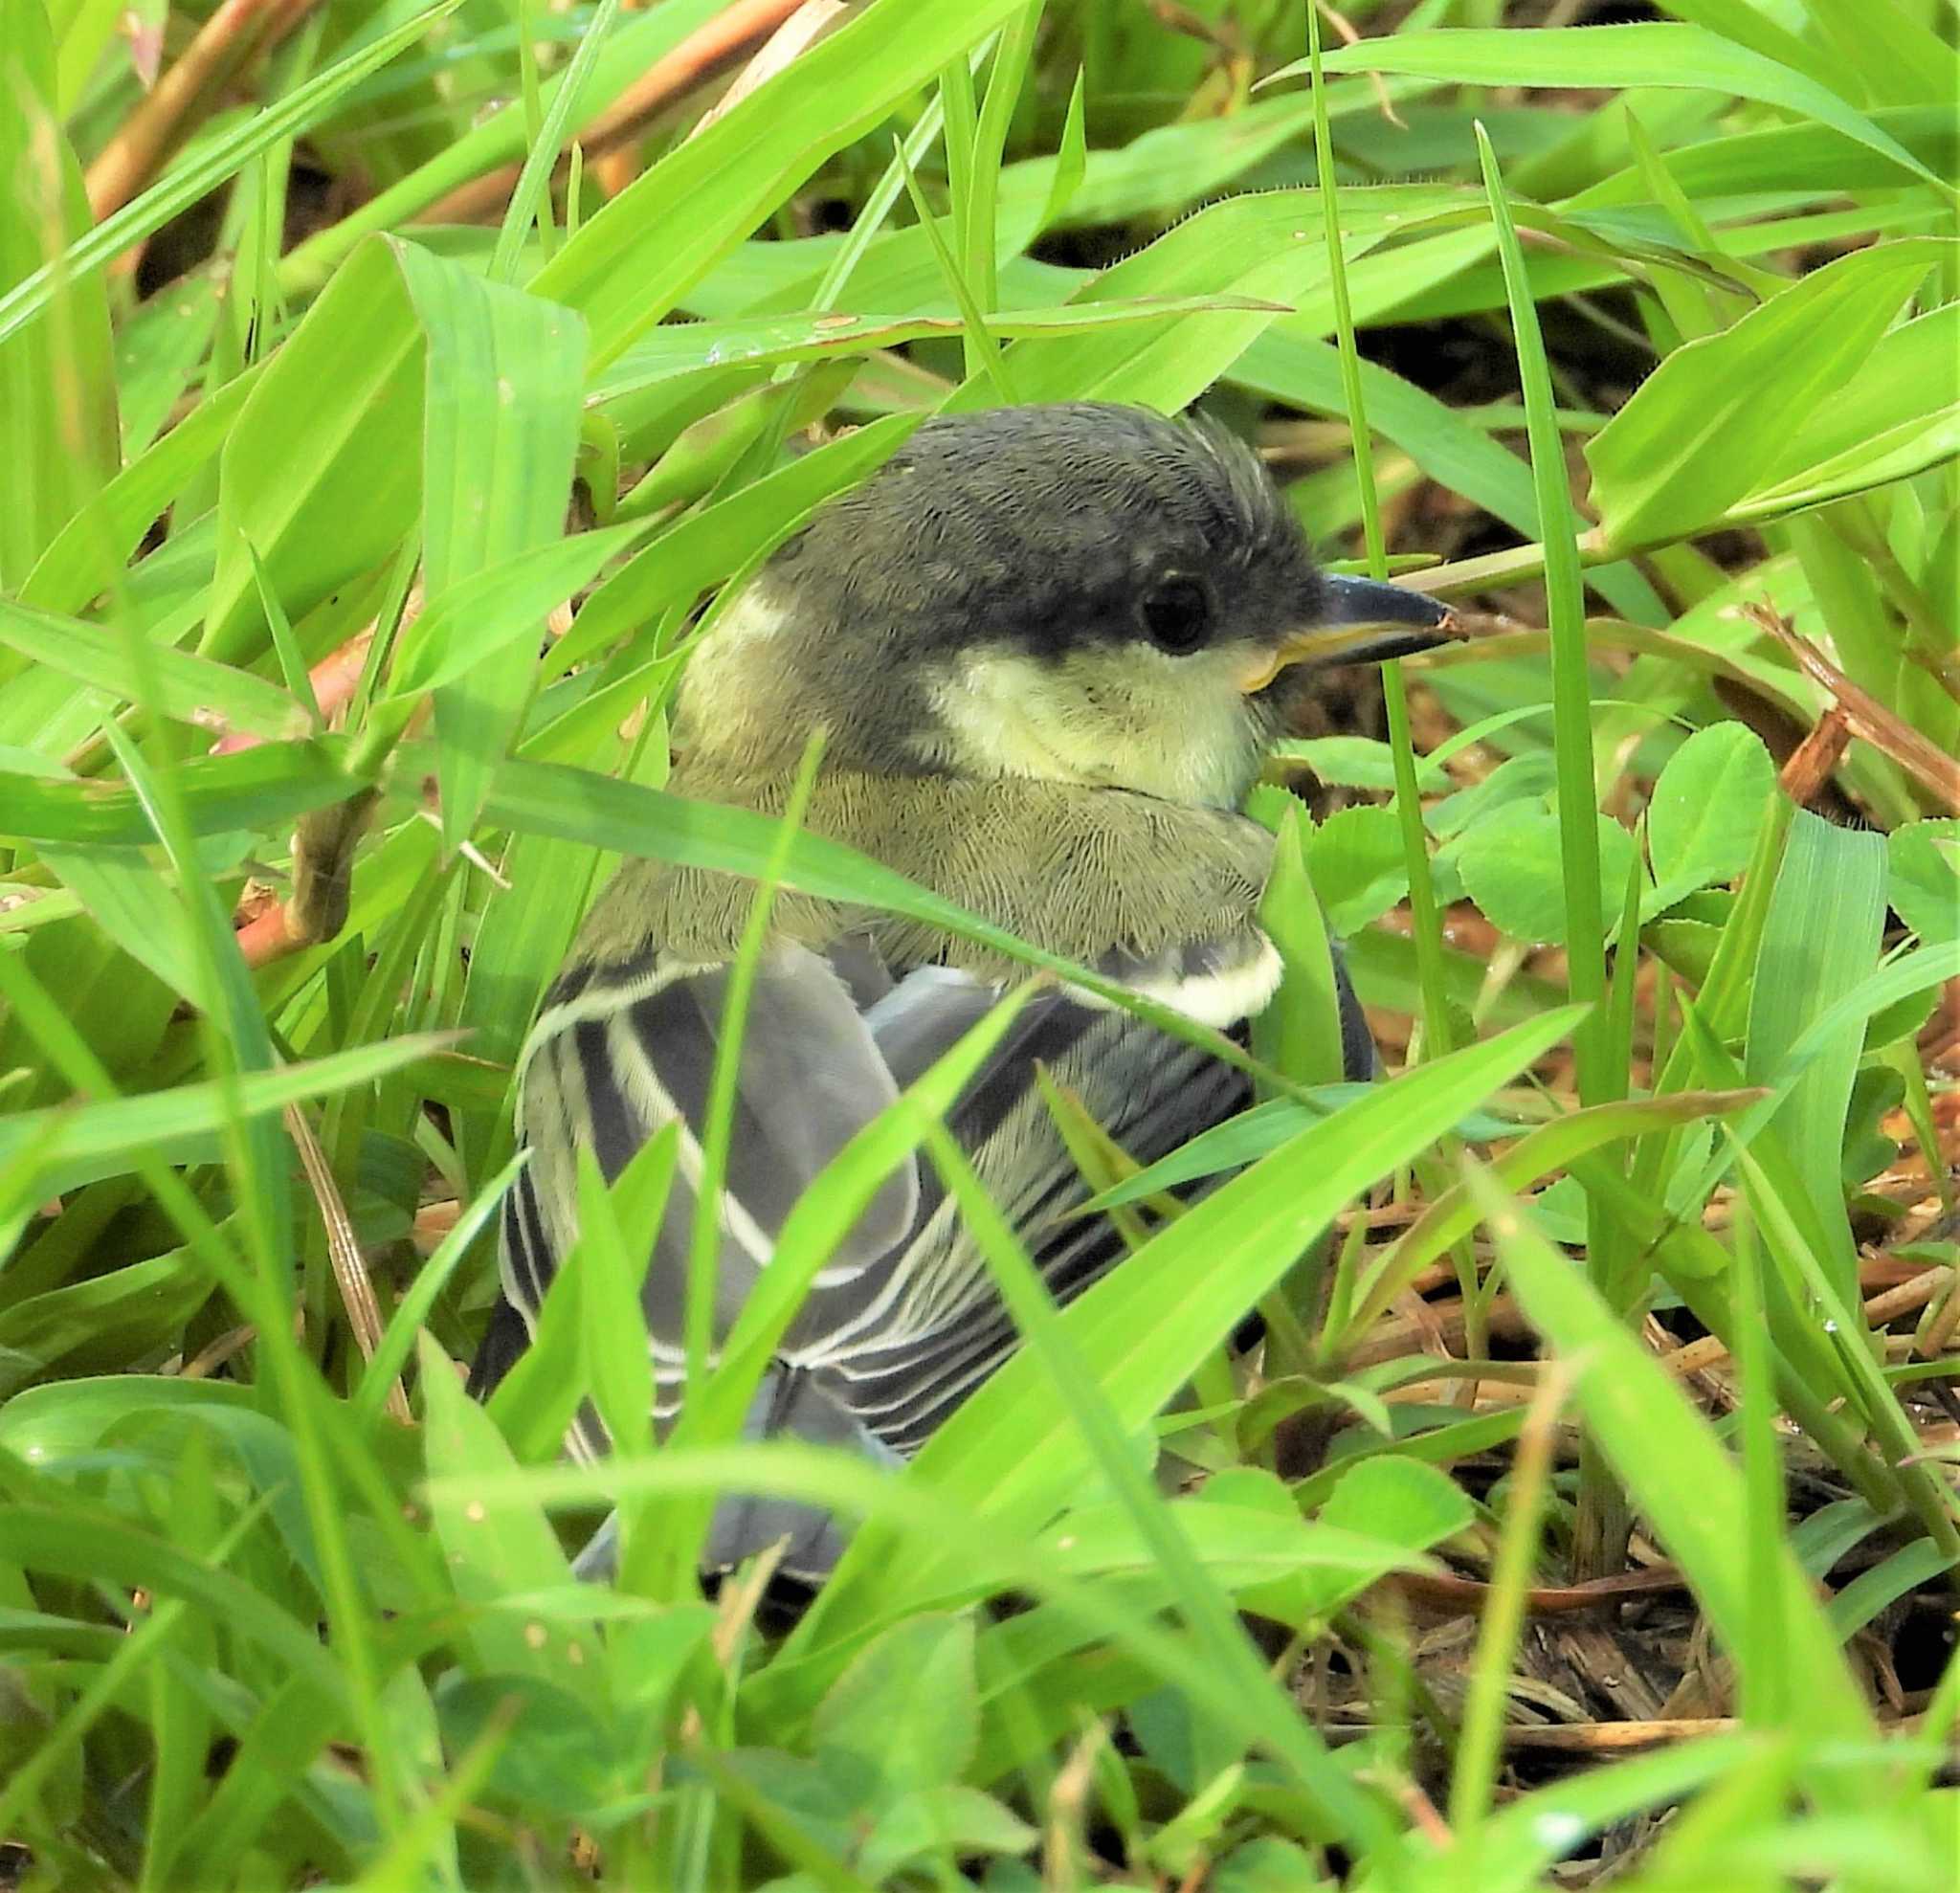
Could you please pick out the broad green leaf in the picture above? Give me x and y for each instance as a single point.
(500, 434)
(633, 263)
(548, 1749)
(1909, 448)
(191, 688)
(89, 553)
(1707, 423)
(317, 473)
(1167, 167)
(509, 599)
(1898, 413)
(56, 1424)
(1910, 375)
(1299, 1032)
(1246, 1527)
(611, 1256)
(534, 1403)
(1245, 1530)
(157, 353)
(523, 937)
(97, 1325)
(1267, 1864)
(1747, 25)
(1811, 160)
(1922, 878)
(1638, 245)
(58, 389)
(250, 789)
(1358, 867)
(96, 1550)
(908, 1706)
(1512, 870)
(1899, 60)
(895, 270)
(946, 1822)
(120, 1010)
(1355, 761)
(491, 1554)
(1403, 1503)
(1820, 941)
(1706, 810)
(1656, 54)
(1267, 247)
(124, 894)
(77, 1143)
(683, 348)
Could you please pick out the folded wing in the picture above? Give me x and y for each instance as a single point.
(903, 1321)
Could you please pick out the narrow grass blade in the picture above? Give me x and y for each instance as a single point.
(1681, 1479)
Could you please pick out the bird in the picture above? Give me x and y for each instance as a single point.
(1047, 647)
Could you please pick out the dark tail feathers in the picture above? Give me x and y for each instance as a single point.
(791, 1401)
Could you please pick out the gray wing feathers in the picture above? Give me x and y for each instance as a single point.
(905, 1322)
(943, 1329)
(631, 1056)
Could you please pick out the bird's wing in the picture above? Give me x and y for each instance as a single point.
(903, 1321)
(622, 1051)
(904, 1345)
(900, 1344)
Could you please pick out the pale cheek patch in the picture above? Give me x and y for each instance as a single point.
(1147, 723)
(994, 718)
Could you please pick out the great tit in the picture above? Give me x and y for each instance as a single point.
(1047, 647)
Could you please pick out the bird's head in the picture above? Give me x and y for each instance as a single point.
(1082, 594)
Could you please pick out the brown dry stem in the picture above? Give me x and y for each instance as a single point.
(1863, 715)
(224, 43)
(344, 1251)
(706, 51)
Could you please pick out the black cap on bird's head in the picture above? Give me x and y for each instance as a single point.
(1081, 591)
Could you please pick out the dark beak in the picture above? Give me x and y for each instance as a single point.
(1369, 622)
(1360, 621)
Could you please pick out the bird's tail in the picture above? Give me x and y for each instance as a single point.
(792, 1402)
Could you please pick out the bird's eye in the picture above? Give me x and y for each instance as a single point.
(1177, 613)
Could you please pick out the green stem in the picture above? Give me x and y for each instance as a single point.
(1437, 1036)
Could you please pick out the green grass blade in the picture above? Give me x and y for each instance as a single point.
(179, 189)
(1686, 1485)
(1145, 1328)
(1572, 689)
(1641, 54)
(1439, 1034)
(531, 201)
